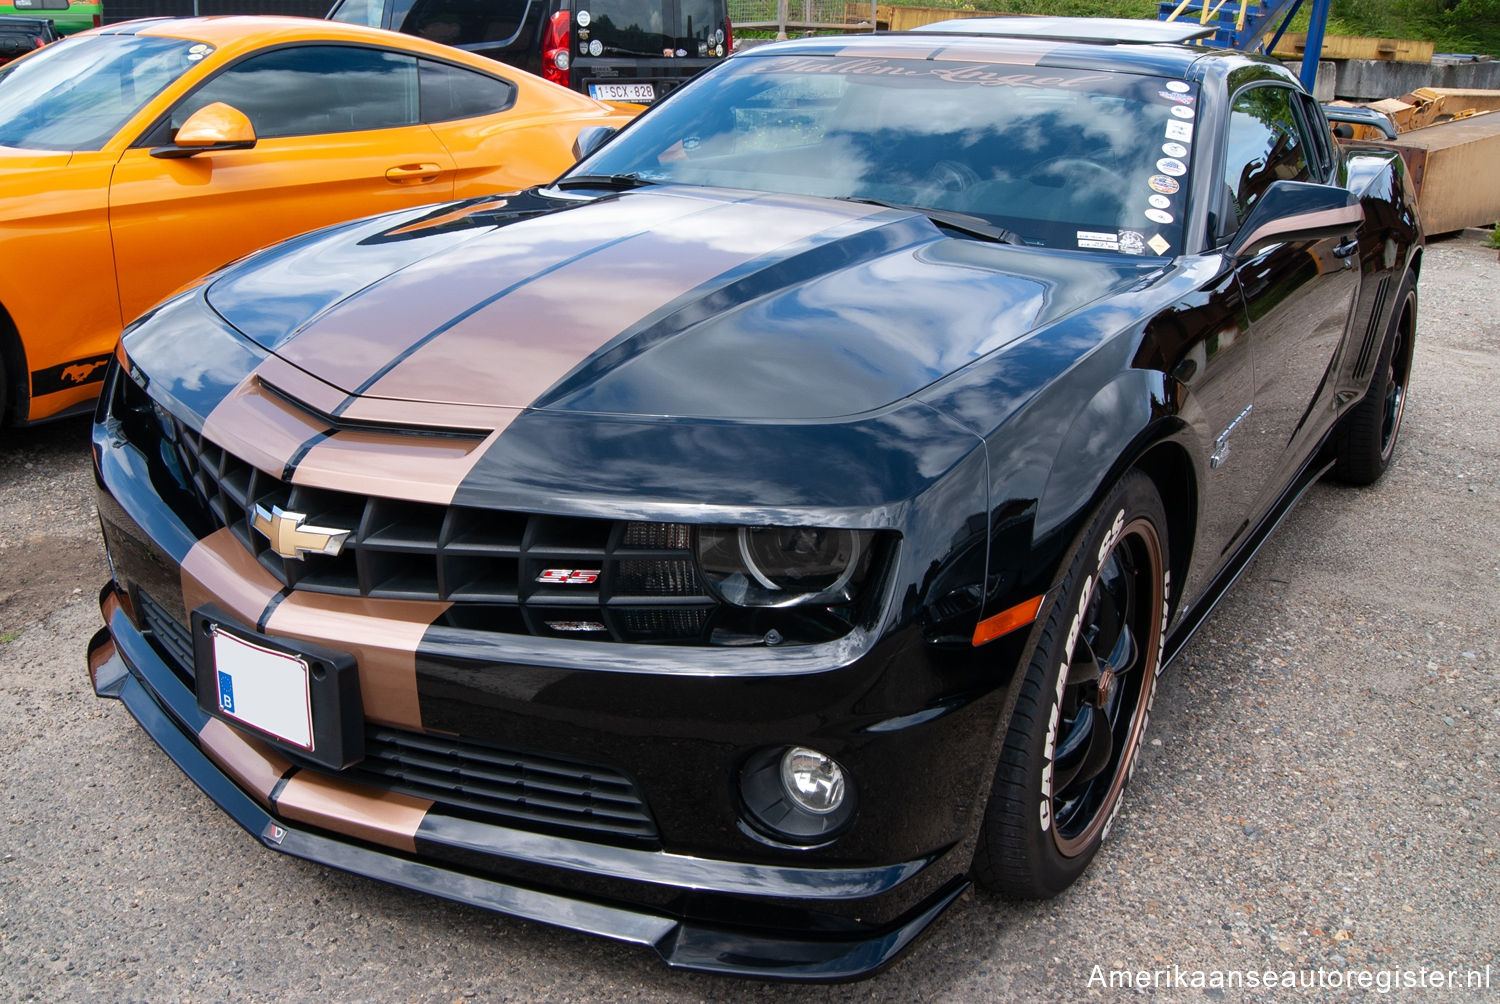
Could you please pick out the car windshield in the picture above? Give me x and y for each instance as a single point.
(77, 93)
(1062, 158)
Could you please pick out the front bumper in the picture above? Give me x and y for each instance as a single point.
(124, 665)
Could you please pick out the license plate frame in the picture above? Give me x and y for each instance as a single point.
(639, 93)
(299, 697)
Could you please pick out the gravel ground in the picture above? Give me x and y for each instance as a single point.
(1320, 790)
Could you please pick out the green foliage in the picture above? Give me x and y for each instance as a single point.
(1494, 241)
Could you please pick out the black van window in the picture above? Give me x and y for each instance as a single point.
(630, 27)
(701, 19)
(366, 12)
(312, 89)
(464, 22)
(449, 92)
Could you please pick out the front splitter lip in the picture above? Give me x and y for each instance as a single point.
(681, 944)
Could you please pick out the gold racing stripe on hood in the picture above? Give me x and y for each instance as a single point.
(260, 427)
(354, 341)
(393, 465)
(512, 350)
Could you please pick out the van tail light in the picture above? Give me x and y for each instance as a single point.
(98, 20)
(728, 36)
(556, 44)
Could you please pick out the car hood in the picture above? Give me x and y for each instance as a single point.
(659, 301)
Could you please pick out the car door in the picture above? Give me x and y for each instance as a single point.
(338, 137)
(1298, 294)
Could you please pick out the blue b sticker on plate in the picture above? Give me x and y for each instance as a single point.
(226, 693)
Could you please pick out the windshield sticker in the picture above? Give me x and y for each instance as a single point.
(201, 49)
(1160, 202)
(983, 74)
(584, 17)
(1163, 184)
(1159, 216)
(1158, 244)
(1182, 99)
(1178, 86)
(1174, 149)
(1172, 166)
(1181, 112)
(1180, 131)
(596, 48)
(1132, 242)
(1098, 239)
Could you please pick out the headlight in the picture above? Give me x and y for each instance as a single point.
(783, 566)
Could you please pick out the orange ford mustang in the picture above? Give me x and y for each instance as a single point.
(137, 157)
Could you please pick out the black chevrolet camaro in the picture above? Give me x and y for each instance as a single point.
(745, 542)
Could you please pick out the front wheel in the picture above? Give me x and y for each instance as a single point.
(1084, 703)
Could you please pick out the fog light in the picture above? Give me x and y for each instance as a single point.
(796, 796)
(815, 782)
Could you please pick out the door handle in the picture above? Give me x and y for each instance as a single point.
(1347, 248)
(414, 172)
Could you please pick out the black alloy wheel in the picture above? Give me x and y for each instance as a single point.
(1084, 705)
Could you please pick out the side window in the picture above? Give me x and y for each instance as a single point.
(1320, 136)
(464, 22)
(450, 92)
(1265, 145)
(313, 89)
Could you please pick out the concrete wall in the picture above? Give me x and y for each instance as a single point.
(1373, 79)
(1323, 87)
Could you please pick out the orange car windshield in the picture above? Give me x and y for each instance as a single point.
(77, 93)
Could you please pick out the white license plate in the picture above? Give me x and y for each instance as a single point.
(622, 92)
(263, 688)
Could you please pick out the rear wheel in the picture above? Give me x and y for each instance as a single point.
(1084, 704)
(1367, 438)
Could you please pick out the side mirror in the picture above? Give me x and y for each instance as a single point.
(591, 138)
(1297, 211)
(211, 128)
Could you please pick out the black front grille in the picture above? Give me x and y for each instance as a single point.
(170, 636)
(504, 571)
(465, 778)
(504, 786)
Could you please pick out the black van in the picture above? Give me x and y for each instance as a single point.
(614, 50)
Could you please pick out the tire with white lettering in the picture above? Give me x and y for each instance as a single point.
(1084, 704)
(1366, 438)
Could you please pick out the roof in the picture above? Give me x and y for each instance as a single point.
(1107, 30)
(958, 44)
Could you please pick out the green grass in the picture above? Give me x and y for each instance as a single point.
(9, 636)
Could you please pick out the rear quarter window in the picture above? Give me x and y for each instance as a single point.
(450, 92)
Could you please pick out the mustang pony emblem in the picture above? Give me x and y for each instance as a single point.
(81, 372)
(291, 539)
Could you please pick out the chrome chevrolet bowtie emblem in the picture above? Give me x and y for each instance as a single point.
(291, 539)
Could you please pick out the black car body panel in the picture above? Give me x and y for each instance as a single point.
(573, 389)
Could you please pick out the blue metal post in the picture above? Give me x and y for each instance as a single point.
(1314, 48)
